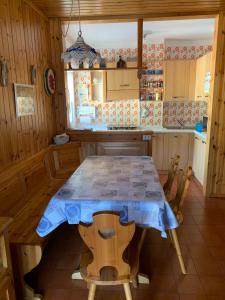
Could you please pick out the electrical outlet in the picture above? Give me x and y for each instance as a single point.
(146, 137)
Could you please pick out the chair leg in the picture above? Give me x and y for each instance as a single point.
(171, 237)
(177, 247)
(91, 294)
(127, 291)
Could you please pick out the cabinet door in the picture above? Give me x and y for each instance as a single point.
(179, 79)
(203, 66)
(176, 144)
(196, 152)
(122, 80)
(157, 150)
(122, 148)
(200, 74)
(202, 153)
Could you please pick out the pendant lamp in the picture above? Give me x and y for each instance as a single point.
(80, 51)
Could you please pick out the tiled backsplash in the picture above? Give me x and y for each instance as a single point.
(154, 54)
(189, 112)
(119, 112)
(151, 113)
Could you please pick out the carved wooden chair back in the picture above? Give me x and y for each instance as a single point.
(107, 239)
(174, 164)
(183, 182)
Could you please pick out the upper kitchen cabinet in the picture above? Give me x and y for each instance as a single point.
(203, 77)
(179, 76)
(122, 84)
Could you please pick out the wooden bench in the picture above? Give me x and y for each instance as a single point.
(25, 190)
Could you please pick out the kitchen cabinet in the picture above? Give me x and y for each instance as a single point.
(167, 145)
(179, 78)
(203, 67)
(199, 153)
(158, 150)
(177, 144)
(6, 279)
(122, 84)
(122, 148)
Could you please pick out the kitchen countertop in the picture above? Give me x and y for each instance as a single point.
(154, 129)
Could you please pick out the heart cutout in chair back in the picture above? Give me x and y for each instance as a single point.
(106, 233)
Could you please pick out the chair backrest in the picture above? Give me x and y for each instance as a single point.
(167, 187)
(107, 239)
(183, 182)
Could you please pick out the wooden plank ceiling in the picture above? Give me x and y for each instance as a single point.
(107, 8)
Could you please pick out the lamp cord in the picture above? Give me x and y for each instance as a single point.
(80, 32)
(68, 25)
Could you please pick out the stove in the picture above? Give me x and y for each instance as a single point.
(122, 127)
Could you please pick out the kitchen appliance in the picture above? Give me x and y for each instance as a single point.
(121, 127)
(205, 122)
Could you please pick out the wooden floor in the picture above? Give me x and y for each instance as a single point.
(202, 237)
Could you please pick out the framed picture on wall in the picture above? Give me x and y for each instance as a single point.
(24, 99)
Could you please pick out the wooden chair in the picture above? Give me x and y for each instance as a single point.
(176, 204)
(167, 187)
(104, 263)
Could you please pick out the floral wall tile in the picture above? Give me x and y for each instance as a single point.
(189, 112)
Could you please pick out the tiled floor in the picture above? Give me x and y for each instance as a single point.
(202, 238)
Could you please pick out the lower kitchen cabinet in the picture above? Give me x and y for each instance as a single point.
(199, 153)
(122, 148)
(167, 145)
(177, 144)
(158, 150)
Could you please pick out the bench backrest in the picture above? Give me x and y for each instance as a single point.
(22, 180)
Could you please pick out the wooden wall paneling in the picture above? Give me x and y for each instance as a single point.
(58, 66)
(215, 169)
(133, 8)
(20, 61)
(24, 41)
(6, 50)
(39, 79)
(30, 61)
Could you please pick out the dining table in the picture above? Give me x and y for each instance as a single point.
(128, 185)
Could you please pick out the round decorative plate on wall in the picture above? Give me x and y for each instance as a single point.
(49, 81)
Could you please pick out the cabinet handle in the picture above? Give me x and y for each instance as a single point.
(175, 136)
(124, 85)
(196, 138)
(175, 97)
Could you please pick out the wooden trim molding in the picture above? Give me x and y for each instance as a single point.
(38, 10)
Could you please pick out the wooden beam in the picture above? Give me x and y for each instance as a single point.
(215, 176)
(146, 17)
(140, 45)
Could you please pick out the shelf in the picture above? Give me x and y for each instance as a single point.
(102, 69)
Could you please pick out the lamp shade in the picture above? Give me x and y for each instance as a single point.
(80, 51)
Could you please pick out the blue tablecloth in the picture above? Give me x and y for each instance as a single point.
(128, 184)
